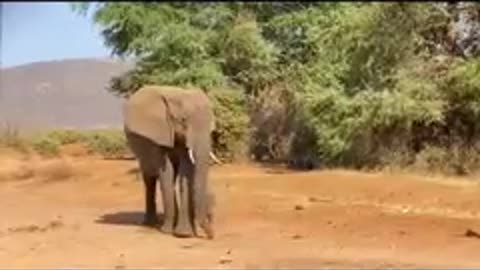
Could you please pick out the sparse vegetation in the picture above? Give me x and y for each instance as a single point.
(66, 136)
(108, 143)
(105, 142)
(11, 138)
(46, 146)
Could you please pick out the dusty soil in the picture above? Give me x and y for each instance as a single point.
(85, 212)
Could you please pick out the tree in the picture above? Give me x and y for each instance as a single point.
(324, 80)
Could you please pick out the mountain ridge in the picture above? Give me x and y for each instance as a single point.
(69, 93)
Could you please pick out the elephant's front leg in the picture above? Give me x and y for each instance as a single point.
(150, 218)
(168, 196)
(184, 226)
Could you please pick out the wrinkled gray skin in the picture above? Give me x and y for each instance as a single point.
(161, 124)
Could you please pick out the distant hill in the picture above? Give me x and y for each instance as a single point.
(66, 93)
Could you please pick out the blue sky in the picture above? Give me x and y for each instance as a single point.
(32, 32)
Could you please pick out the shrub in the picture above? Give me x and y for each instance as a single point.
(108, 143)
(46, 146)
(66, 136)
(231, 127)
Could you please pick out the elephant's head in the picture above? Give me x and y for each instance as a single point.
(169, 115)
(175, 117)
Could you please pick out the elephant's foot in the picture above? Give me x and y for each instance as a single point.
(167, 227)
(183, 231)
(150, 220)
(207, 228)
(182, 234)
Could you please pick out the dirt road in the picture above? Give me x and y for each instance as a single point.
(86, 213)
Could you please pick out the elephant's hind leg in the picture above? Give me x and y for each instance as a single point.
(168, 196)
(150, 218)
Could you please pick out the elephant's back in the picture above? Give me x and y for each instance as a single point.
(194, 97)
(191, 100)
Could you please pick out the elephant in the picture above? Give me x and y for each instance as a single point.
(169, 131)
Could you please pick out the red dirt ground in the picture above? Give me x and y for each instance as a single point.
(85, 212)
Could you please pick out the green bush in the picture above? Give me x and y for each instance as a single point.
(108, 143)
(231, 127)
(66, 136)
(46, 146)
(454, 160)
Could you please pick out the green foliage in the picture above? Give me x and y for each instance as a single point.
(453, 160)
(462, 86)
(108, 143)
(248, 58)
(231, 136)
(46, 146)
(347, 84)
(380, 87)
(66, 136)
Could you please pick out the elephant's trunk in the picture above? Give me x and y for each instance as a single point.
(203, 208)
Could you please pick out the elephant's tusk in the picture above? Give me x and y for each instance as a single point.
(212, 155)
(190, 155)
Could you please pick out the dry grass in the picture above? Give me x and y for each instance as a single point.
(24, 172)
(74, 150)
(55, 170)
(14, 168)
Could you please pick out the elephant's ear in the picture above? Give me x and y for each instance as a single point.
(145, 113)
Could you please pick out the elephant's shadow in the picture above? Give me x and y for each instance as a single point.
(125, 218)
